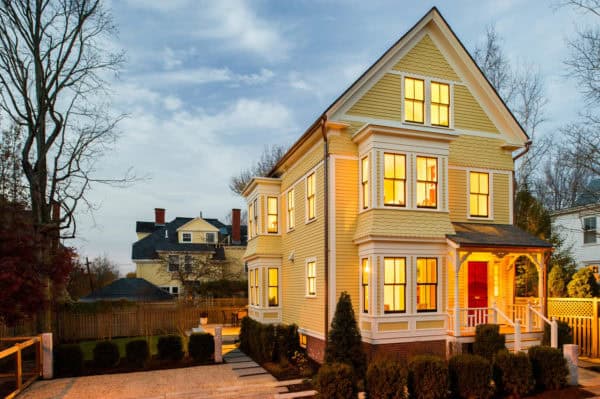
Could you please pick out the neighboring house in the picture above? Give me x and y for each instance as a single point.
(579, 226)
(401, 194)
(128, 289)
(166, 251)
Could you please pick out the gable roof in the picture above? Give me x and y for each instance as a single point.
(130, 289)
(433, 15)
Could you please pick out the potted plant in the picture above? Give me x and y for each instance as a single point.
(203, 318)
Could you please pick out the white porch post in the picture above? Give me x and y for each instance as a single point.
(456, 302)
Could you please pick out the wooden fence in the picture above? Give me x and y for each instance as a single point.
(26, 368)
(582, 317)
(137, 319)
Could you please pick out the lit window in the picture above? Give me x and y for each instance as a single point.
(426, 182)
(479, 193)
(251, 220)
(186, 237)
(302, 338)
(291, 222)
(365, 170)
(365, 285)
(272, 211)
(173, 263)
(394, 285)
(394, 180)
(589, 230)
(187, 263)
(210, 237)
(310, 196)
(440, 104)
(426, 284)
(253, 287)
(256, 211)
(311, 278)
(414, 100)
(273, 287)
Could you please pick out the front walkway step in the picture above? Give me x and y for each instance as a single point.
(300, 394)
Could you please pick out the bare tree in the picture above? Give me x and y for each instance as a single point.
(490, 57)
(12, 185)
(269, 158)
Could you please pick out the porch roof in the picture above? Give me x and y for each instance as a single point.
(494, 235)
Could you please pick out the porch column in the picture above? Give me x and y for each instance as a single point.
(456, 288)
(543, 282)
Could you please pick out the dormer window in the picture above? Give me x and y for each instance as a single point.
(186, 237)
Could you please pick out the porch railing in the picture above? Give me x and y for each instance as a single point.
(22, 376)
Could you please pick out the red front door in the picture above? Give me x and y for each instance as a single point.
(478, 292)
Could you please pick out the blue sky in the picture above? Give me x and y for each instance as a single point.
(208, 84)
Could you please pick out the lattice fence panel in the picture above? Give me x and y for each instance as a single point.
(567, 307)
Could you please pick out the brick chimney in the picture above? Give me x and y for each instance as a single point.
(236, 233)
(159, 216)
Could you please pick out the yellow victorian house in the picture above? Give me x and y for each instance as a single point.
(401, 194)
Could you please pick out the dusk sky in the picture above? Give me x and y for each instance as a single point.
(208, 84)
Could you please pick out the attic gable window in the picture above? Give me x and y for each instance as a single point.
(186, 237)
(414, 100)
(440, 104)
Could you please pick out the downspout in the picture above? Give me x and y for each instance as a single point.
(514, 178)
(326, 216)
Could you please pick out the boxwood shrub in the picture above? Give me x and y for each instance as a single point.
(106, 354)
(488, 340)
(266, 342)
(68, 360)
(549, 367)
(170, 347)
(428, 377)
(470, 376)
(137, 352)
(565, 335)
(201, 347)
(336, 381)
(512, 374)
(387, 379)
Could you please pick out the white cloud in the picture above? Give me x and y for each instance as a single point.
(170, 59)
(172, 103)
(202, 75)
(297, 82)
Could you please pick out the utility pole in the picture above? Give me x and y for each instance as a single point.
(87, 264)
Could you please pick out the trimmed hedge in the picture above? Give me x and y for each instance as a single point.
(106, 354)
(336, 381)
(137, 352)
(428, 377)
(387, 379)
(170, 347)
(268, 342)
(201, 347)
(68, 360)
(470, 376)
(488, 340)
(549, 367)
(565, 334)
(513, 374)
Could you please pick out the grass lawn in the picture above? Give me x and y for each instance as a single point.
(88, 346)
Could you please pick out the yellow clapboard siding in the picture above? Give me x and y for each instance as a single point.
(468, 114)
(401, 223)
(401, 325)
(479, 152)
(457, 194)
(156, 273)
(423, 324)
(426, 59)
(263, 245)
(302, 166)
(365, 326)
(501, 198)
(346, 206)
(382, 100)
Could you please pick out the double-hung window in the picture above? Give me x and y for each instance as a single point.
(272, 215)
(310, 196)
(394, 179)
(273, 286)
(311, 278)
(254, 287)
(440, 104)
(414, 100)
(251, 219)
(365, 284)
(364, 181)
(291, 222)
(479, 193)
(173, 263)
(427, 182)
(427, 280)
(256, 211)
(187, 263)
(186, 237)
(394, 285)
(589, 230)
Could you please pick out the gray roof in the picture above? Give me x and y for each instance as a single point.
(130, 289)
(147, 247)
(494, 235)
(145, 227)
(591, 194)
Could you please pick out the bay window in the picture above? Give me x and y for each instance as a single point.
(427, 284)
(427, 182)
(364, 179)
(365, 270)
(273, 290)
(394, 286)
(394, 180)
(272, 215)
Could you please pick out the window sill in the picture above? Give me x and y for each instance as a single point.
(310, 296)
(309, 221)
(486, 218)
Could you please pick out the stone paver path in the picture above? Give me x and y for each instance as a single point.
(210, 382)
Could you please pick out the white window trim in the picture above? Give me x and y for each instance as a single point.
(427, 82)
(361, 208)
(408, 202)
(183, 233)
(490, 196)
(369, 284)
(279, 207)
(440, 281)
(589, 244)
(214, 235)
(306, 262)
(278, 287)
(287, 218)
(439, 207)
(306, 219)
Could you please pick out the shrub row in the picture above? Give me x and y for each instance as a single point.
(268, 342)
(68, 358)
(465, 376)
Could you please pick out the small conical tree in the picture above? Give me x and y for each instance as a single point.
(583, 284)
(344, 340)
